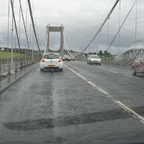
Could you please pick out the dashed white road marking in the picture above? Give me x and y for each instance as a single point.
(130, 111)
(114, 72)
(89, 82)
(98, 88)
(4, 94)
(130, 76)
(81, 76)
(127, 109)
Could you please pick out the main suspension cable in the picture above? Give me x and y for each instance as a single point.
(31, 14)
(122, 25)
(108, 16)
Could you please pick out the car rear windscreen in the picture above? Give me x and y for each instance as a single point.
(95, 56)
(51, 56)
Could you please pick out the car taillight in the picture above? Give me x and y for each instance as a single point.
(59, 60)
(42, 60)
(142, 62)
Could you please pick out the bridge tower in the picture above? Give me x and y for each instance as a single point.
(55, 29)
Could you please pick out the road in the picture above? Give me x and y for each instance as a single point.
(82, 104)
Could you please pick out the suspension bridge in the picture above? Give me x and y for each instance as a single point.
(22, 32)
(82, 104)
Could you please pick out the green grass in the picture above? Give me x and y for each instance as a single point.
(8, 54)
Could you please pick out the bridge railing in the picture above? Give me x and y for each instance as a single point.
(12, 64)
(125, 64)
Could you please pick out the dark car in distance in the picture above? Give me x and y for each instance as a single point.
(72, 58)
(66, 58)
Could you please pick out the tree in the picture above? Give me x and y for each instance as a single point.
(86, 54)
(107, 54)
(71, 51)
(90, 53)
(100, 53)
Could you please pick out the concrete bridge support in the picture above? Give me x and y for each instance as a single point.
(55, 29)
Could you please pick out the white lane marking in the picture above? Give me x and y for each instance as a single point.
(81, 76)
(130, 111)
(98, 88)
(4, 94)
(89, 82)
(118, 73)
(127, 109)
(75, 72)
(132, 77)
(114, 72)
(129, 76)
(107, 70)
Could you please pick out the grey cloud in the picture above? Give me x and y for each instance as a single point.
(80, 19)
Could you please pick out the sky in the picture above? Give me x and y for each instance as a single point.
(81, 20)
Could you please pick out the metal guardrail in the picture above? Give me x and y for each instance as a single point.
(125, 64)
(12, 64)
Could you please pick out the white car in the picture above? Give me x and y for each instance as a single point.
(51, 61)
(66, 57)
(94, 59)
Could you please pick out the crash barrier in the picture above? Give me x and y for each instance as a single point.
(12, 64)
(125, 64)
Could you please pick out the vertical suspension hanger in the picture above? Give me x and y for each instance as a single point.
(136, 25)
(93, 45)
(8, 25)
(108, 33)
(26, 25)
(19, 23)
(12, 35)
(15, 24)
(27, 22)
(119, 26)
(99, 39)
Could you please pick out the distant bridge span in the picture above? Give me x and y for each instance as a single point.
(130, 54)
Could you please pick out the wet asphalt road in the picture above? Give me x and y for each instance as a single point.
(82, 104)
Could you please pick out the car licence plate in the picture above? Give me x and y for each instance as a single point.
(51, 65)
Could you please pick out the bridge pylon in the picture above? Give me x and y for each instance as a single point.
(55, 29)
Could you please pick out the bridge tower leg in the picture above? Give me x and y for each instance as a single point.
(47, 40)
(62, 41)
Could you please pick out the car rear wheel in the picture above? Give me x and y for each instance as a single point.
(61, 70)
(41, 70)
(133, 71)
